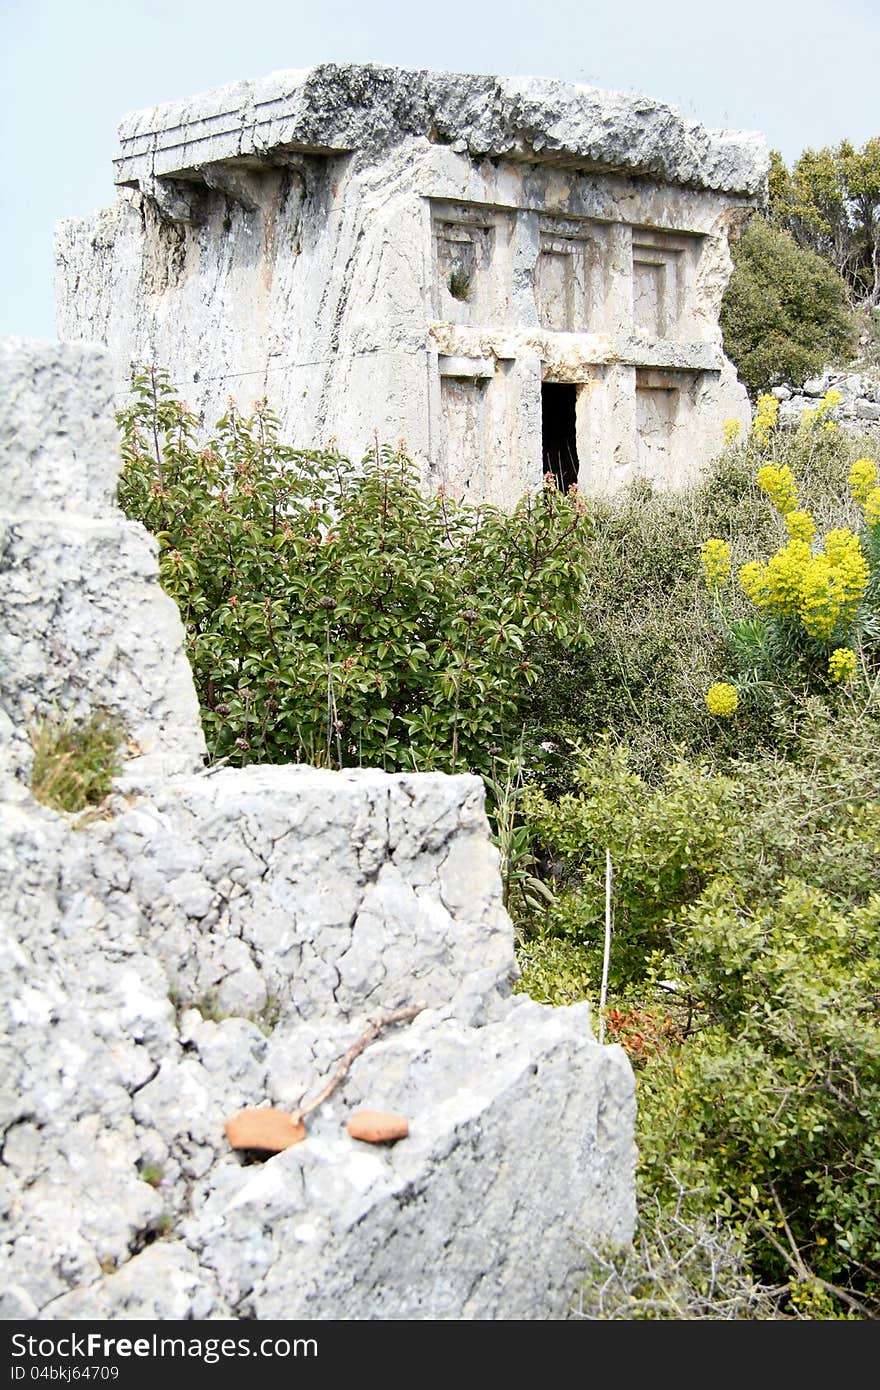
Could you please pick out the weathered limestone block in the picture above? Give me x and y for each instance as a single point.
(220, 940)
(85, 624)
(422, 255)
(520, 1142)
(490, 1137)
(317, 890)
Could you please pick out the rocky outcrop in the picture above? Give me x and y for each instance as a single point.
(857, 410)
(218, 939)
(85, 623)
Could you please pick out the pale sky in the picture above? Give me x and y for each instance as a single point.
(804, 72)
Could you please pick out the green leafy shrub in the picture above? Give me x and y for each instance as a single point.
(785, 312)
(775, 1104)
(746, 912)
(75, 761)
(340, 615)
(555, 970)
(665, 841)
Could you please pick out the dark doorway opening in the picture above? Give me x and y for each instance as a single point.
(559, 432)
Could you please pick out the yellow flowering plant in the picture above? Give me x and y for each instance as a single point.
(863, 478)
(765, 420)
(715, 561)
(800, 525)
(842, 664)
(777, 481)
(813, 600)
(722, 699)
(819, 417)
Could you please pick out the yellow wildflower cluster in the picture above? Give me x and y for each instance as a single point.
(722, 699)
(800, 526)
(715, 557)
(752, 580)
(819, 416)
(821, 589)
(872, 507)
(764, 423)
(862, 478)
(732, 431)
(777, 480)
(841, 664)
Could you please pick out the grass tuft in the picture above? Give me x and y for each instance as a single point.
(75, 761)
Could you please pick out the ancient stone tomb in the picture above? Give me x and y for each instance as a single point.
(514, 275)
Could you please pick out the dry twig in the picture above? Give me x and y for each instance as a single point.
(376, 1024)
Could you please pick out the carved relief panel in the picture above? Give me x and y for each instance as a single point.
(662, 271)
(570, 277)
(465, 252)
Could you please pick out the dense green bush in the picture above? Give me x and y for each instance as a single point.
(785, 312)
(747, 915)
(775, 1104)
(339, 615)
(665, 842)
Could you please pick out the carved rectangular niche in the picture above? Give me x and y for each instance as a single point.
(662, 269)
(570, 277)
(463, 404)
(663, 403)
(464, 247)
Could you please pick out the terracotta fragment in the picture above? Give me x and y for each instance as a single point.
(377, 1126)
(270, 1130)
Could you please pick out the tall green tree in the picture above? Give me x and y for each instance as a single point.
(830, 203)
(785, 312)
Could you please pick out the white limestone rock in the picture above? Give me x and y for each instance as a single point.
(490, 1120)
(85, 624)
(220, 939)
(520, 1123)
(344, 107)
(59, 442)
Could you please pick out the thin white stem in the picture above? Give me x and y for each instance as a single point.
(603, 995)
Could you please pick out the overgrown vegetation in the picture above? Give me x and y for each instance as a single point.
(340, 615)
(75, 760)
(566, 653)
(786, 312)
(654, 643)
(745, 967)
(805, 289)
(814, 604)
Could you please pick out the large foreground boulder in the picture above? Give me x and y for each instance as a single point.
(219, 939)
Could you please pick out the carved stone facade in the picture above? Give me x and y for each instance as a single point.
(510, 274)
